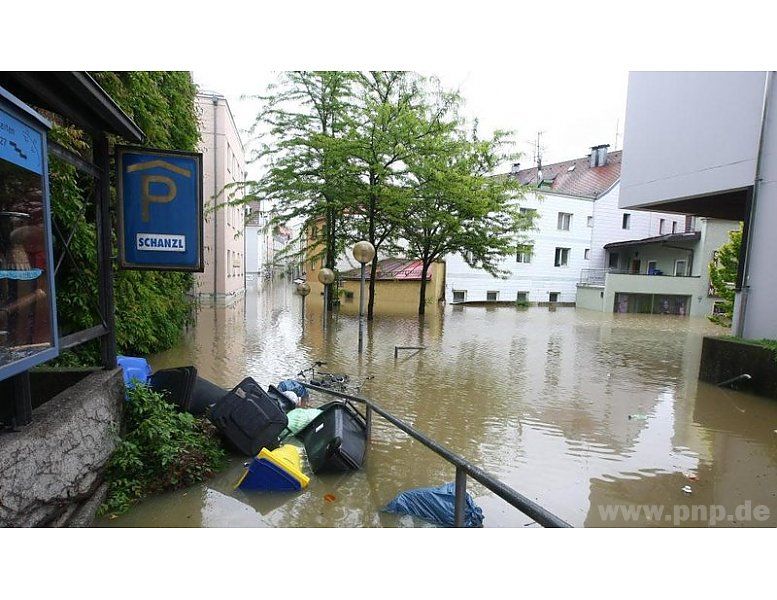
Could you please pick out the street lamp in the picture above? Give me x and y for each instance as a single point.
(303, 289)
(364, 252)
(327, 277)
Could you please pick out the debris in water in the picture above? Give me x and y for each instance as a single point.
(692, 476)
(687, 489)
(329, 498)
(638, 417)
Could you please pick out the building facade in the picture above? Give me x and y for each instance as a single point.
(705, 143)
(663, 274)
(223, 280)
(575, 213)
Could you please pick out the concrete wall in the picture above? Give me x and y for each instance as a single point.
(590, 297)
(540, 277)
(761, 316)
(51, 470)
(689, 134)
(223, 163)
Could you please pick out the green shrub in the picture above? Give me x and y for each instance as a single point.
(163, 449)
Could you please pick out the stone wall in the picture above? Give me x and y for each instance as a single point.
(724, 358)
(51, 470)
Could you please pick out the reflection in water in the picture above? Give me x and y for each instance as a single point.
(572, 408)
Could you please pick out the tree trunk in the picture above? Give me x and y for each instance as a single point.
(422, 298)
(330, 250)
(374, 269)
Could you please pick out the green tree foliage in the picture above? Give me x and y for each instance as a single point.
(163, 449)
(398, 117)
(151, 307)
(308, 174)
(458, 206)
(723, 274)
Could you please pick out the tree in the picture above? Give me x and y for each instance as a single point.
(723, 274)
(458, 206)
(308, 176)
(152, 307)
(393, 124)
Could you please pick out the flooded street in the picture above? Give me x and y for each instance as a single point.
(577, 410)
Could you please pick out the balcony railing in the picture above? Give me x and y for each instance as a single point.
(597, 276)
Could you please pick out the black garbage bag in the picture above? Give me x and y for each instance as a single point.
(436, 505)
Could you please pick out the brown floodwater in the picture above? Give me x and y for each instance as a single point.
(581, 411)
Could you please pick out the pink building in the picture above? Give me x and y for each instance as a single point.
(223, 280)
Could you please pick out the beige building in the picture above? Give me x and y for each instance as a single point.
(223, 280)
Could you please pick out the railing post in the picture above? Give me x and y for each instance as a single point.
(461, 494)
(368, 415)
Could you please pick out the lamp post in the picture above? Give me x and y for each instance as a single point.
(303, 289)
(327, 277)
(363, 252)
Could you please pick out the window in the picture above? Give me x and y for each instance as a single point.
(564, 221)
(522, 297)
(652, 268)
(590, 221)
(562, 257)
(492, 296)
(613, 260)
(524, 253)
(626, 223)
(674, 226)
(459, 295)
(680, 268)
(553, 296)
(661, 224)
(587, 253)
(27, 335)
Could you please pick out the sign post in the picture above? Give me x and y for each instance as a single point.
(160, 209)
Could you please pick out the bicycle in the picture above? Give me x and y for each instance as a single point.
(339, 382)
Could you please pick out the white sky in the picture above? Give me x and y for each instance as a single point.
(575, 109)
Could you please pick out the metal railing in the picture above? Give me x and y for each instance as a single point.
(464, 468)
(592, 276)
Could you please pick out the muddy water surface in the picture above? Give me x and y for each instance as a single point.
(586, 413)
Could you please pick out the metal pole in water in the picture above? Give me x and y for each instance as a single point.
(361, 310)
(461, 490)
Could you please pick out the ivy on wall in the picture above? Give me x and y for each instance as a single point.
(152, 307)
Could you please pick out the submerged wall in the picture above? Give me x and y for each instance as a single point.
(725, 358)
(51, 470)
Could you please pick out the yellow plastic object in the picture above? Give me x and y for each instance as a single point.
(287, 458)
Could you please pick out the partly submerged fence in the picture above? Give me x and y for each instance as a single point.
(463, 467)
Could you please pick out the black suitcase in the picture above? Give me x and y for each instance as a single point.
(282, 399)
(204, 395)
(248, 418)
(336, 440)
(184, 388)
(176, 385)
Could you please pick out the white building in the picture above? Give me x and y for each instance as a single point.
(224, 163)
(705, 143)
(662, 274)
(259, 244)
(576, 213)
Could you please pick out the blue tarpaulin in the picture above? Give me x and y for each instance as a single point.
(291, 385)
(436, 505)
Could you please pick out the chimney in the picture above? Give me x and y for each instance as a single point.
(515, 168)
(598, 156)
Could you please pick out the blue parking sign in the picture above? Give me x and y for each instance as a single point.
(160, 209)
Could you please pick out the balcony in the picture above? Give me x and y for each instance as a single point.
(598, 277)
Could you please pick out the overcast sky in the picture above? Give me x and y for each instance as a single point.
(576, 109)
